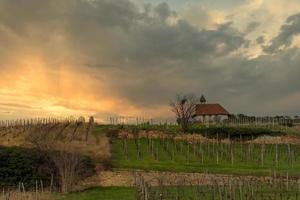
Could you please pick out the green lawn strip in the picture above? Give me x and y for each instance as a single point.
(101, 193)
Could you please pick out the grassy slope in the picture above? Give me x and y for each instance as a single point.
(194, 164)
(164, 164)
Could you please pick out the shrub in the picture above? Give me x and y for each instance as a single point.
(23, 165)
(113, 132)
(232, 132)
(106, 163)
(30, 165)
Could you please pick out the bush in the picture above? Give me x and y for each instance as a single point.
(88, 168)
(113, 132)
(23, 165)
(29, 165)
(106, 163)
(232, 132)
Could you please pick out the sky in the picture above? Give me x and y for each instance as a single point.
(111, 58)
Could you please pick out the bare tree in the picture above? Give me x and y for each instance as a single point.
(184, 109)
(63, 153)
(69, 164)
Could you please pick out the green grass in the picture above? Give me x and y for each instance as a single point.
(237, 159)
(109, 193)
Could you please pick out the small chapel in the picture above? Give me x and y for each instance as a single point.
(210, 112)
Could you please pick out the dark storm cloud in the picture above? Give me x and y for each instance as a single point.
(114, 28)
(145, 56)
(260, 40)
(163, 11)
(35, 15)
(251, 27)
(163, 59)
(159, 42)
(284, 39)
(250, 86)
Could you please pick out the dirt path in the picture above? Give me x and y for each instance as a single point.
(289, 139)
(127, 178)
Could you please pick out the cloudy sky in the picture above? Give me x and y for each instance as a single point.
(131, 57)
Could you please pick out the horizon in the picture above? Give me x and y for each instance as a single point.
(107, 58)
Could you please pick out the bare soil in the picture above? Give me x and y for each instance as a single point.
(276, 140)
(127, 179)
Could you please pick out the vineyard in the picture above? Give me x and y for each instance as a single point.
(249, 168)
(17, 130)
(229, 189)
(235, 158)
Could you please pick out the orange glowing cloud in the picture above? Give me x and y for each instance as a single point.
(36, 89)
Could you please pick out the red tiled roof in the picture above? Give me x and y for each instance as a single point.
(210, 109)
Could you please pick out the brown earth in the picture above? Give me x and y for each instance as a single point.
(289, 139)
(127, 179)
